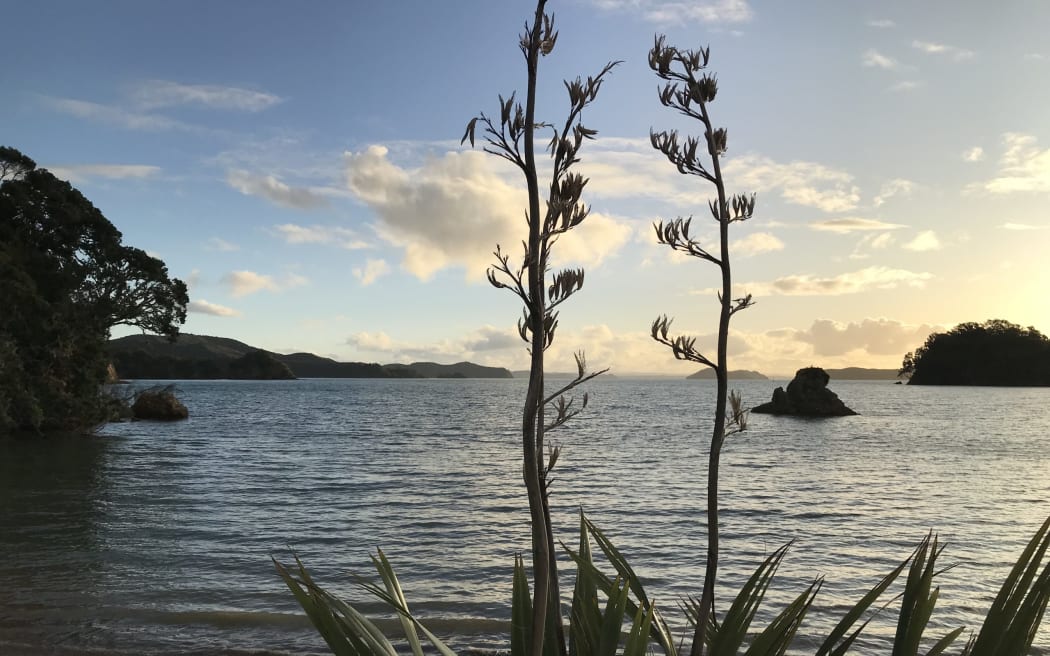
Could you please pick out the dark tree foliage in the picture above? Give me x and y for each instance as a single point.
(995, 352)
(65, 280)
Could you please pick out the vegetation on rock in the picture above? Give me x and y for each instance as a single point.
(995, 352)
(807, 395)
(160, 404)
(66, 279)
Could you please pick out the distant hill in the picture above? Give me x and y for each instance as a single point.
(194, 357)
(860, 373)
(707, 373)
(207, 357)
(458, 370)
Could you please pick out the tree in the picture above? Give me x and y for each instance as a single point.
(512, 138)
(995, 352)
(65, 280)
(121, 285)
(689, 90)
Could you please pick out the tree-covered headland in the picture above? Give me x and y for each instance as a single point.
(995, 352)
(66, 279)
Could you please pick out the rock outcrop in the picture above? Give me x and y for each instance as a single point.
(807, 395)
(159, 404)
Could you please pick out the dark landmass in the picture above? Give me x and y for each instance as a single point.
(556, 375)
(204, 357)
(860, 373)
(458, 370)
(707, 373)
(807, 395)
(994, 353)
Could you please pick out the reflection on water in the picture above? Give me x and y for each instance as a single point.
(157, 537)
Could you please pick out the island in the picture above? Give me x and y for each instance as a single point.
(993, 353)
(807, 395)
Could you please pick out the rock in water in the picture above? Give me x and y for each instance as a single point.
(159, 404)
(807, 395)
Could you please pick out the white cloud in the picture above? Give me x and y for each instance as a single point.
(214, 309)
(683, 11)
(1022, 167)
(275, 191)
(957, 54)
(1024, 226)
(874, 59)
(243, 283)
(156, 94)
(755, 243)
(455, 209)
(874, 277)
(318, 234)
(1035, 56)
(800, 183)
(853, 224)
(372, 271)
(925, 241)
(83, 172)
(895, 187)
(871, 242)
(873, 336)
(975, 154)
(221, 245)
(881, 23)
(116, 116)
(906, 85)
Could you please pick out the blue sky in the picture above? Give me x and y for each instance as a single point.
(299, 166)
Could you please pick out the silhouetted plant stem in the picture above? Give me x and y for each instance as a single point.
(689, 94)
(513, 139)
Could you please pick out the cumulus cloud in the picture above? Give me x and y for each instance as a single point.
(683, 11)
(490, 338)
(454, 209)
(975, 154)
(925, 241)
(243, 283)
(755, 243)
(83, 172)
(874, 336)
(275, 191)
(318, 234)
(214, 309)
(1022, 167)
(895, 187)
(1024, 226)
(957, 54)
(800, 183)
(853, 282)
(853, 224)
(371, 271)
(156, 94)
(874, 59)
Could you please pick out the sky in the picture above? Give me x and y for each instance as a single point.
(299, 166)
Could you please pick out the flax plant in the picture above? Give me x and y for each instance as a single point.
(513, 137)
(688, 90)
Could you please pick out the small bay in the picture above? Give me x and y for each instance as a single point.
(156, 538)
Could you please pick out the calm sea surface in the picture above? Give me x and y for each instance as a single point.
(156, 538)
